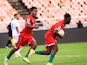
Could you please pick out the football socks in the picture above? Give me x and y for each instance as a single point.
(38, 52)
(51, 58)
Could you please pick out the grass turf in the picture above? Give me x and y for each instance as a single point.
(68, 54)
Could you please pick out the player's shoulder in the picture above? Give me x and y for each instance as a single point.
(12, 21)
(61, 21)
(29, 17)
(15, 21)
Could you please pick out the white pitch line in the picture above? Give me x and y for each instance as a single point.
(63, 55)
(71, 55)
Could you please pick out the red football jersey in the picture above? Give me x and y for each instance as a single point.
(50, 38)
(31, 21)
(59, 25)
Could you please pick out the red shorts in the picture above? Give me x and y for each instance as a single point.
(50, 39)
(23, 40)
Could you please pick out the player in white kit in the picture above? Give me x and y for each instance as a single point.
(15, 31)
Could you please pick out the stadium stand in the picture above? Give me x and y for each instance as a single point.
(49, 11)
(57, 8)
(6, 14)
(19, 6)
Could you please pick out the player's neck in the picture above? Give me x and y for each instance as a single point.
(31, 15)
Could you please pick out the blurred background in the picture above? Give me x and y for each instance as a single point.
(49, 12)
(72, 49)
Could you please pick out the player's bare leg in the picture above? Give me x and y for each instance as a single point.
(30, 52)
(32, 48)
(50, 50)
(26, 59)
(52, 55)
(17, 53)
(9, 56)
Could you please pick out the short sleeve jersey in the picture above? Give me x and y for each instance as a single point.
(14, 24)
(59, 25)
(28, 31)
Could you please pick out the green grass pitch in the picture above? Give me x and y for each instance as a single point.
(68, 54)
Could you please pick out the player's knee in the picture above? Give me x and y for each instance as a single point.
(56, 49)
(35, 45)
(16, 49)
(48, 53)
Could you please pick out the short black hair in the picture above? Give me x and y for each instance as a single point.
(15, 14)
(32, 8)
(67, 15)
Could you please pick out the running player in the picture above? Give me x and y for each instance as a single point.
(25, 36)
(50, 39)
(15, 31)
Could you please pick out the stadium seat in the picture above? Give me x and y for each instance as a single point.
(48, 10)
(53, 10)
(6, 14)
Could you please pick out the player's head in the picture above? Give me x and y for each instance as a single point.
(33, 11)
(17, 16)
(67, 18)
